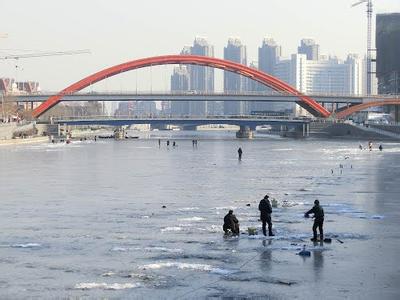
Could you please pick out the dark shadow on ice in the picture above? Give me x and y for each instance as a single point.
(266, 256)
(318, 260)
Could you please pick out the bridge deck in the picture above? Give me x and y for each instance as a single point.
(350, 99)
(251, 122)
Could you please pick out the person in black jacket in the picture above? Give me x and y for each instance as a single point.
(265, 215)
(231, 223)
(318, 212)
(240, 152)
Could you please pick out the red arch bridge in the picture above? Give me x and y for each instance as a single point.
(276, 84)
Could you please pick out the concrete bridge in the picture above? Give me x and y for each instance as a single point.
(187, 96)
(247, 124)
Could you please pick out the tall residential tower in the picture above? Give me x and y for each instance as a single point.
(180, 83)
(388, 56)
(268, 56)
(309, 48)
(201, 78)
(234, 83)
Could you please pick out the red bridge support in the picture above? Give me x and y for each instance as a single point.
(359, 107)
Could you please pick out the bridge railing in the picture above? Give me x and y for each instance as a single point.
(202, 93)
(164, 117)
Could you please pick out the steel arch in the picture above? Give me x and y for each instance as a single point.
(359, 107)
(306, 102)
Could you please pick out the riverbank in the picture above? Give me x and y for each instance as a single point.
(24, 141)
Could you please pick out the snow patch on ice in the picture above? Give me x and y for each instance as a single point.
(175, 228)
(105, 286)
(28, 245)
(189, 208)
(225, 208)
(187, 266)
(194, 219)
(148, 249)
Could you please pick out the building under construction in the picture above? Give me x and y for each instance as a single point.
(11, 86)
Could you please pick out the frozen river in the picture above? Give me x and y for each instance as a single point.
(86, 220)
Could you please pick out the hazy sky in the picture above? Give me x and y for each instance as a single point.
(121, 30)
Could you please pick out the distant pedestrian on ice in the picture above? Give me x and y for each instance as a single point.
(240, 152)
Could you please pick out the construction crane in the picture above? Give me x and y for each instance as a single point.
(42, 54)
(369, 49)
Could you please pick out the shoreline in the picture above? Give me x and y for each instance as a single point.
(26, 141)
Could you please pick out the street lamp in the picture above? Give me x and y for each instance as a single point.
(2, 106)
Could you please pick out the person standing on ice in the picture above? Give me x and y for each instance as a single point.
(265, 209)
(240, 152)
(318, 212)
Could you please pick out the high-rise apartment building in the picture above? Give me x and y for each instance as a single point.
(145, 108)
(324, 76)
(387, 53)
(252, 85)
(309, 48)
(180, 81)
(269, 55)
(234, 83)
(387, 56)
(388, 49)
(201, 78)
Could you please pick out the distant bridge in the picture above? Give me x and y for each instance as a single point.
(184, 96)
(244, 121)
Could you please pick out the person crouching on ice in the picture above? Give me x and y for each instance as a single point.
(318, 212)
(231, 223)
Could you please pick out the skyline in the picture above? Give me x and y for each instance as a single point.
(40, 27)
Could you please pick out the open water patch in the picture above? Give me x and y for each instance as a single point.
(193, 256)
(263, 279)
(147, 280)
(348, 236)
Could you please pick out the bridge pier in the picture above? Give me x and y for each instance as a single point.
(245, 132)
(189, 127)
(159, 126)
(306, 129)
(295, 132)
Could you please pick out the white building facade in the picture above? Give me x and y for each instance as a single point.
(324, 76)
